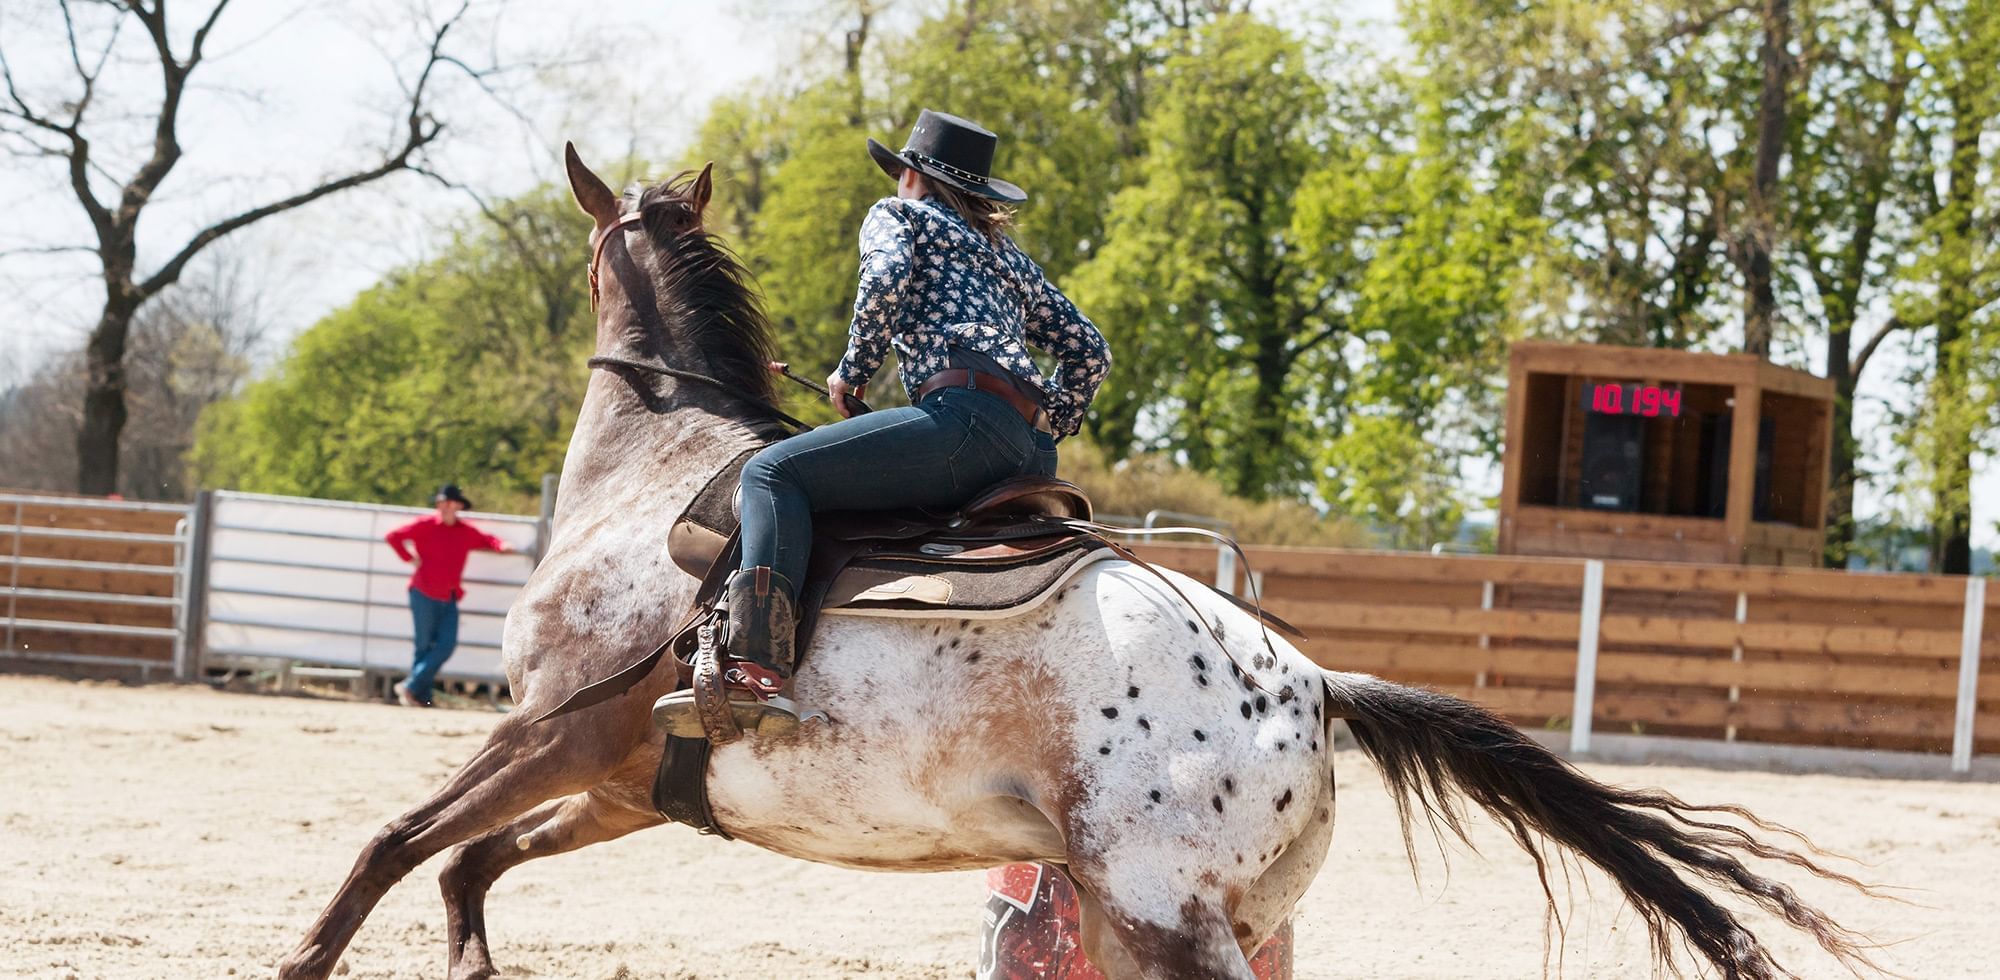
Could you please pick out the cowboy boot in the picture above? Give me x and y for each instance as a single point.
(758, 646)
(762, 620)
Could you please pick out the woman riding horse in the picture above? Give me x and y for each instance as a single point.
(943, 283)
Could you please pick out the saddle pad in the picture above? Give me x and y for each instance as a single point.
(696, 537)
(901, 588)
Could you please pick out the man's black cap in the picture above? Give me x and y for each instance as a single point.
(450, 491)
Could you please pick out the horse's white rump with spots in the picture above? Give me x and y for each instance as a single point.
(1106, 730)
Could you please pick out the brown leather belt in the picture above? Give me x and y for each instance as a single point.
(986, 382)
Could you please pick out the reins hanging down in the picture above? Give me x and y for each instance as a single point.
(1256, 606)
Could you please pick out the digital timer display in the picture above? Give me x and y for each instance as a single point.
(1650, 401)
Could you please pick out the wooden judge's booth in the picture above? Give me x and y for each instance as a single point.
(1663, 455)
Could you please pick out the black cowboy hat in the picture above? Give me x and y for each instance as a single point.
(450, 491)
(956, 151)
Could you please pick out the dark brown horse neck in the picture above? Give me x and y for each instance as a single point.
(674, 296)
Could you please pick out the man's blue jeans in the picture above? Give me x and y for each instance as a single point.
(937, 453)
(436, 636)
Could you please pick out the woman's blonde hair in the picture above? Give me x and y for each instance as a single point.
(991, 218)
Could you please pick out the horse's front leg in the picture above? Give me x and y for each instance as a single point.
(521, 765)
(603, 813)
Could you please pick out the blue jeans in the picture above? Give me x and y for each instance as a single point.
(436, 636)
(938, 453)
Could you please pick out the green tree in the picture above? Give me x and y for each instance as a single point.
(1955, 274)
(468, 367)
(1849, 206)
(1385, 474)
(801, 242)
(1893, 213)
(1035, 72)
(1058, 142)
(1201, 285)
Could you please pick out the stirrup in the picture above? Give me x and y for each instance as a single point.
(752, 693)
(677, 714)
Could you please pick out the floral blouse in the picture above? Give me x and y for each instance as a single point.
(928, 279)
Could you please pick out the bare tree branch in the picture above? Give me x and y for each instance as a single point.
(201, 34)
(29, 131)
(166, 142)
(422, 130)
(47, 250)
(549, 281)
(1868, 350)
(78, 152)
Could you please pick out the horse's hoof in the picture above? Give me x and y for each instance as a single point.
(305, 964)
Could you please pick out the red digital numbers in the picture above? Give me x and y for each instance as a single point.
(1650, 401)
(1609, 399)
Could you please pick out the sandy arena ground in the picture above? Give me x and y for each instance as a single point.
(179, 832)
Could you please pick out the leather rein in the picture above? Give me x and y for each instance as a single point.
(606, 363)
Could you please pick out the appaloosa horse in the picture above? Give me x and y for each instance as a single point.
(1182, 777)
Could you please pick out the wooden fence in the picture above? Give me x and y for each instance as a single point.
(92, 583)
(1773, 655)
(1781, 655)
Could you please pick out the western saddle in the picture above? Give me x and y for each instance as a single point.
(996, 556)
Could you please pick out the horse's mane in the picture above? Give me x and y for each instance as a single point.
(719, 310)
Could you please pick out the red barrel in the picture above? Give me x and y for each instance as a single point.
(1031, 933)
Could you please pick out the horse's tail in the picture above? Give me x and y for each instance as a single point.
(1434, 749)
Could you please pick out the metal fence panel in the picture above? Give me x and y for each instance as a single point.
(73, 614)
(313, 581)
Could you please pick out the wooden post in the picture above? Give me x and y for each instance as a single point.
(1743, 421)
(1968, 673)
(1586, 657)
(1511, 454)
(1823, 482)
(14, 577)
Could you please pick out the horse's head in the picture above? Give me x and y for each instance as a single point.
(664, 288)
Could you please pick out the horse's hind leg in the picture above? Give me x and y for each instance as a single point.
(516, 769)
(553, 828)
(1100, 941)
(1124, 943)
(1263, 908)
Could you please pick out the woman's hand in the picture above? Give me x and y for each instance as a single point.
(838, 392)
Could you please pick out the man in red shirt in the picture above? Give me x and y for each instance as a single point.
(442, 542)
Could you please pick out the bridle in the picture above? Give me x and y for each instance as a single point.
(624, 223)
(601, 362)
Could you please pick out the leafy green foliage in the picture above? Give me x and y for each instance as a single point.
(1201, 286)
(467, 368)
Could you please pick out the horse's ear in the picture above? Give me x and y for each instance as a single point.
(704, 185)
(591, 193)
